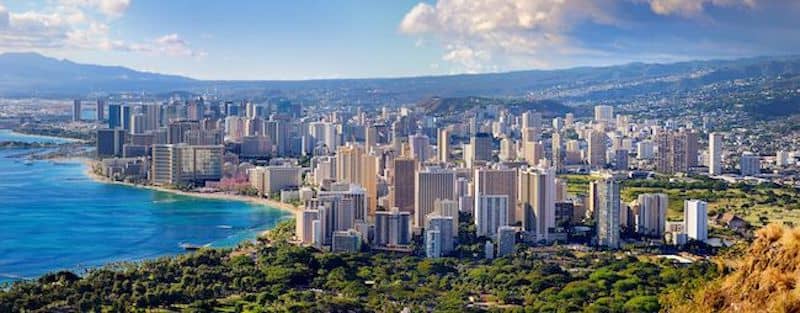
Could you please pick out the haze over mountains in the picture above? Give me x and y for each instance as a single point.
(31, 74)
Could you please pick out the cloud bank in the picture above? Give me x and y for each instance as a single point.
(82, 25)
(491, 35)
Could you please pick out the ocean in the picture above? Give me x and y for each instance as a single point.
(53, 217)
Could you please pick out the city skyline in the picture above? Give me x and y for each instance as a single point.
(353, 39)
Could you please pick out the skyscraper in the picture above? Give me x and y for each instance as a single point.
(506, 239)
(100, 110)
(443, 145)
(491, 212)
(608, 212)
(181, 164)
(597, 149)
(604, 113)
(392, 228)
(651, 217)
(443, 224)
(304, 228)
(76, 110)
(110, 142)
(498, 181)
(431, 184)
(715, 154)
(537, 201)
(419, 145)
(677, 151)
(404, 174)
(557, 149)
(749, 164)
(695, 215)
(481, 144)
(114, 115)
(349, 166)
(508, 149)
(433, 243)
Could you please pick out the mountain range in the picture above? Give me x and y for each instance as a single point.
(32, 74)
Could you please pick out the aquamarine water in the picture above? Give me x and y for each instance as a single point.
(53, 217)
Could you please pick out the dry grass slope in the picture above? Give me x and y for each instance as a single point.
(766, 280)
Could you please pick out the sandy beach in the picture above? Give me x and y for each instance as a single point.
(211, 195)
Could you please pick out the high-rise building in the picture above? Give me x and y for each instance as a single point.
(125, 117)
(532, 152)
(491, 212)
(447, 208)
(695, 215)
(355, 194)
(349, 166)
(531, 119)
(557, 149)
(443, 224)
(537, 201)
(271, 179)
(404, 174)
(392, 228)
(336, 213)
(176, 131)
(182, 164)
(431, 184)
(76, 110)
(604, 113)
(607, 212)
(677, 151)
(781, 158)
(651, 217)
(346, 241)
(100, 110)
(433, 243)
(481, 145)
(114, 116)
(508, 149)
(304, 228)
(110, 142)
(443, 145)
(506, 239)
(498, 181)
(644, 150)
(255, 147)
(420, 146)
(569, 120)
(749, 164)
(597, 149)
(621, 160)
(369, 180)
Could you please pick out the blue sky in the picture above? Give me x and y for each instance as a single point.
(304, 39)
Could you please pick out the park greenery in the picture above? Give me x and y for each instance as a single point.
(272, 275)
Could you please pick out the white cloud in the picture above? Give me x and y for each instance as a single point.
(475, 33)
(693, 7)
(111, 8)
(511, 34)
(4, 19)
(174, 45)
(74, 25)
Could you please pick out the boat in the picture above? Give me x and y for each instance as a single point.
(28, 162)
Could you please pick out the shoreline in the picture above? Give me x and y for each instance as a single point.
(68, 139)
(223, 196)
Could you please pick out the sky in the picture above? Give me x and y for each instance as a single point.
(305, 39)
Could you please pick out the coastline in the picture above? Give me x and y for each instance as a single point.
(68, 139)
(286, 207)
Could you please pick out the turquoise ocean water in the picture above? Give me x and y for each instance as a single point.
(53, 217)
